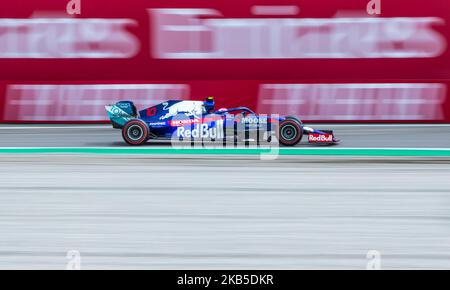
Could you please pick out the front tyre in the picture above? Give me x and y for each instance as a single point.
(295, 119)
(135, 132)
(291, 132)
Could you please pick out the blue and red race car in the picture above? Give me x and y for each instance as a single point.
(198, 120)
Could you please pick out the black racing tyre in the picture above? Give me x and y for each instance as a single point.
(291, 132)
(135, 132)
(295, 119)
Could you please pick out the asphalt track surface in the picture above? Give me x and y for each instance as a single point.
(352, 136)
(215, 212)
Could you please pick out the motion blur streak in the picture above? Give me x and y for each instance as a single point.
(225, 213)
(355, 101)
(180, 33)
(67, 38)
(82, 102)
(275, 10)
(334, 102)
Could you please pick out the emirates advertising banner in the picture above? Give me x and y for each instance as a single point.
(322, 60)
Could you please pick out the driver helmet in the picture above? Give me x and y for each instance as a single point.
(209, 105)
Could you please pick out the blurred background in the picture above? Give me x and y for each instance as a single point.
(321, 60)
(329, 61)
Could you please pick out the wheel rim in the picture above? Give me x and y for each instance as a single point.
(289, 132)
(135, 132)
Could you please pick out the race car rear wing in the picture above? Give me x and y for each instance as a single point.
(120, 113)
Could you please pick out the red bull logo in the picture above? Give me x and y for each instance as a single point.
(320, 138)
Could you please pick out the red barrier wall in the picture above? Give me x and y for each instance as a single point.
(423, 101)
(243, 52)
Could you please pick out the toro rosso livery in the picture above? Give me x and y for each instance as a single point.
(195, 120)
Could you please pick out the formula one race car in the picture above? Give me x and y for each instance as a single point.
(194, 120)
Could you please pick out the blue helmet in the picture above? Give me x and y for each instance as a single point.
(209, 105)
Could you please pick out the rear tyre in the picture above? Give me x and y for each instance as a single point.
(291, 132)
(135, 132)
